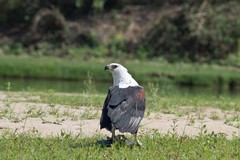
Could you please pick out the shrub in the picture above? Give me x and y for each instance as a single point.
(197, 31)
(22, 11)
(17, 11)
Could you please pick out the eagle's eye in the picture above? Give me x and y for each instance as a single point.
(114, 66)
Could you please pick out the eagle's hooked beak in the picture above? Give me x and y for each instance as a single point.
(110, 67)
(106, 67)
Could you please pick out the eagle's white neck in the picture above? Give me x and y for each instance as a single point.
(123, 79)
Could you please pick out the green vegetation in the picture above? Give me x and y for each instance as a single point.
(29, 145)
(200, 31)
(167, 100)
(49, 68)
(66, 146)
(180, 30)
(167, 103)
(223, 76)
(162, 43)
(159, 99)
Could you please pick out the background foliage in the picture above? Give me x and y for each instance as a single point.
(192, 30)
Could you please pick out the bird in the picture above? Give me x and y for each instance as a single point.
(125, 104)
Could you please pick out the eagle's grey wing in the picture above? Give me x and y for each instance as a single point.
(105, 121)
(114, 97)
(126, 108)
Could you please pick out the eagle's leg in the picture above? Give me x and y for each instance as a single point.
(113, 135)
(138, 142)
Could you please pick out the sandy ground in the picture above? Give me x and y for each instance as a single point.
(51, 120)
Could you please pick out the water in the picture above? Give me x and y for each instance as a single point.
(102, 87)
(56, 85)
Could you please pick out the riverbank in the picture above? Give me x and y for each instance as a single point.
(52, 68)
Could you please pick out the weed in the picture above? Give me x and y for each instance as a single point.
(202, 129)
(54, 111)
(191, 121)
(233, 121)
(89, 84)
(71, 115)
(8, 113)
(214, 116)
(58, 121)
(34, 112)
(15, 119)
(174, 126)
(155, 98)
(90, 113)
(8, 95)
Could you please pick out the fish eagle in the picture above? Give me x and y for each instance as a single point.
(124, 106)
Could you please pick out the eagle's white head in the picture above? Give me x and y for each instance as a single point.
(120, 74)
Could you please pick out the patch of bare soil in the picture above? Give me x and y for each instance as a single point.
(51, 120)
(193, 124)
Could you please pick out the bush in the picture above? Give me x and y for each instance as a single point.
(17, 11)
(22, 11)
(206, 31)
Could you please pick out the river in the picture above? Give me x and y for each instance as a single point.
(101, 87)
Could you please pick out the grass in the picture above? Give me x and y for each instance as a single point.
(214, 116)
(168, 101)
(233, 121)
(47, 68)
(33, 112)
(157, 103)
(30, 145)
(156, 146)
(143, 71)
